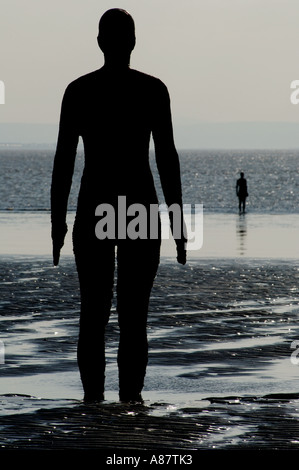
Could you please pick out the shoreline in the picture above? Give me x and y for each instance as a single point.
(259, 236)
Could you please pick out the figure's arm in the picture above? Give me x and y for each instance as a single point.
(63, 169)
(168, 164)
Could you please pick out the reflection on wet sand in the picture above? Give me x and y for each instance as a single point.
(224, 236)
(241, 228)
(220, 371)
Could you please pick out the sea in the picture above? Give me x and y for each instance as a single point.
(223, 330)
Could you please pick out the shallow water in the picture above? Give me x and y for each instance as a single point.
(220, 373)
(223, 369)
(257, 236)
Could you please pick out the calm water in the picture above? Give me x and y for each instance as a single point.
(208, 177)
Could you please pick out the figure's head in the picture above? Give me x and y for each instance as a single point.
(242, 174)
(116, 35)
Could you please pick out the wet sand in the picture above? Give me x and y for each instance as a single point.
(221, 374)
(261, 236)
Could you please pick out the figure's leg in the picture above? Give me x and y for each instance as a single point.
(137, 262)
(95, 265)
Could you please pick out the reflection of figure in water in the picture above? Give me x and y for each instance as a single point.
(241, 234)
(114, 109)
(241, 190)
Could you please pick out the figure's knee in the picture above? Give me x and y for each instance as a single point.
(94, 317)
(132, 323)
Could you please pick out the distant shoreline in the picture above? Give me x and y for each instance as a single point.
(189, 134)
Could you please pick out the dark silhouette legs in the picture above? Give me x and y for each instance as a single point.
(96, 275)
(242, 204)
(137, 264)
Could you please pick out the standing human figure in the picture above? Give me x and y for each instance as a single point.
(115, 109)
(241, 190)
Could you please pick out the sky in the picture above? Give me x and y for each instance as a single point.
(228, 64)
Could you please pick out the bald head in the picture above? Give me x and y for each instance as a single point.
(116, 32)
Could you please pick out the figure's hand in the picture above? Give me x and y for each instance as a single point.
(181, 242)
(181, 251)
(58, 235)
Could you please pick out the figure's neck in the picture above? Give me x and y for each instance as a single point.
(117, 63)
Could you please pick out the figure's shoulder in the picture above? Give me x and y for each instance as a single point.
(148, 80)
(83, 81)
(144, 76)
(143, 81)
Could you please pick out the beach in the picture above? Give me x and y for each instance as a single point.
(104, 119)
(222, 373)
(223, 366)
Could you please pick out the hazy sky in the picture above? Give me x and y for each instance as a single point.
(222, 60)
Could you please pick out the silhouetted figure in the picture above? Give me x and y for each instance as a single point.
(241, 190)
(115, 110)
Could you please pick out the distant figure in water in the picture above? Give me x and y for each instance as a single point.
(115, 109)
(241, 190)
